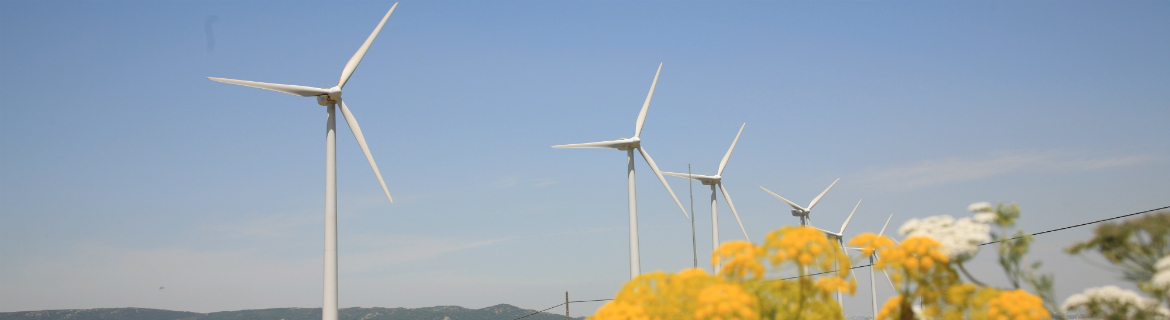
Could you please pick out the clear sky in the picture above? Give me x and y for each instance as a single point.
(124, 170)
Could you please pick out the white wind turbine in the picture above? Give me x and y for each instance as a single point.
(839, 237)
(872, 280)
(798, 211)
(331, 98)
(628, 145)
(717, 181)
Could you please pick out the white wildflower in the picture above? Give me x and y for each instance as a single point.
(1111, 300)
(985, 217)
(960, 239)
(980, 207)
(1162, 277)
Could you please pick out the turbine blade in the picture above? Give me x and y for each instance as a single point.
(680, 175)
(841, 243)
(646, 105)
(733, 212)
(827, 232)
(885, 225)
(698, 177)
(650, 161)
(846, 224)
(357, 57)
(361, 139)
(890, 280)
(723, 164)
(612, 144)
(284, 88)
(818, 198)
(793, 205)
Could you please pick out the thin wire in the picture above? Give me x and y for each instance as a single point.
(549, 308)
(1080, 225)
(591, 300)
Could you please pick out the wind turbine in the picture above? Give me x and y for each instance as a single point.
(872, 279)
(628, 145)
(717, 181)
(839, 238)
(798, 211)
(331, 98)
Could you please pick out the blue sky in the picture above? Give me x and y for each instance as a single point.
(124, 169)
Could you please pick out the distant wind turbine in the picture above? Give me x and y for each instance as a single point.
(717, 181)
(872, 280)
(802, 212)
(839, 237)
(331, 98)
(628, 145)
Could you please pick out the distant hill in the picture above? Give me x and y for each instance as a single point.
(496, 312)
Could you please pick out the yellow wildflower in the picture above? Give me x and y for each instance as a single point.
(726, 301)
(620, 310)
(1017, 305)
(743, 258)
(870, 243)
(805, 247)
(834, 284)
(891, 310)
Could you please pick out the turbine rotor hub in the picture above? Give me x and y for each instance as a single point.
(332, 97)
(634, 143)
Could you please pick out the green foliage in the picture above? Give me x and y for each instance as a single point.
(1012, 246)
(1135, 245)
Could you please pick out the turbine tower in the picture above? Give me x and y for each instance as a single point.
(628, 145)
(716, 181)
(873, 280)
(331, 99)
(798, 211)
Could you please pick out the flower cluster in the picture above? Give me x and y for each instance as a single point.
(1161, 279)
(656, 294)
(892, 309)
(1017, 305)
(960, 238)
(1111, 301)
(743, 260)
(870, 243)
(916, 256)
(968, 299)
(726, 301)
(833, 284)
(805, 247)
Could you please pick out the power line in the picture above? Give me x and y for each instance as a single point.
(1081, 225)
(550, 308)
(863, 266)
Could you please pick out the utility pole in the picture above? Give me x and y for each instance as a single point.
(567, 305)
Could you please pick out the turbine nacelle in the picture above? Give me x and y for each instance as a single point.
(630, 143)
(332, 97)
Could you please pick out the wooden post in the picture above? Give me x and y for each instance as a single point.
(567, 305)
